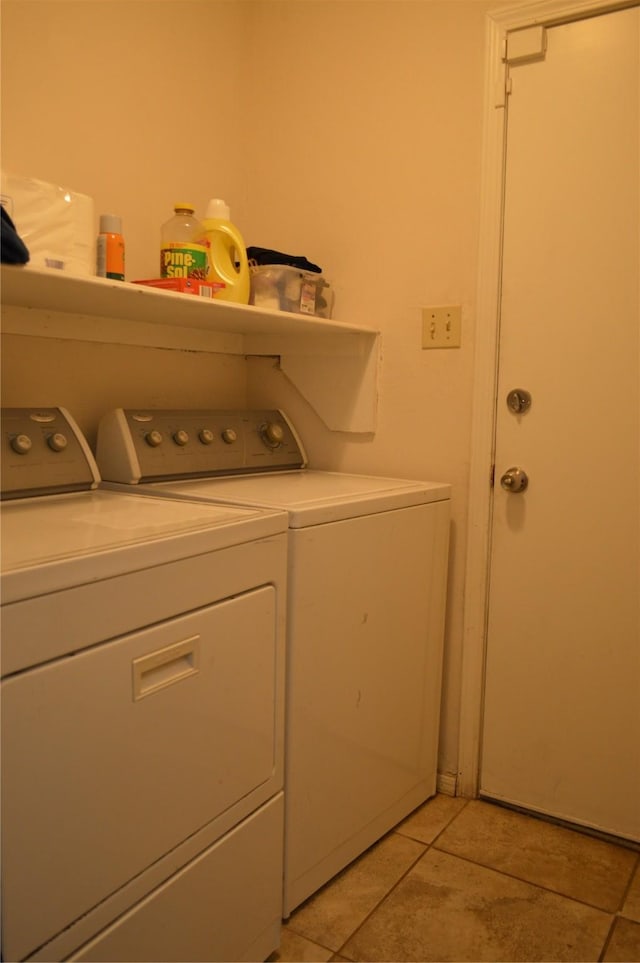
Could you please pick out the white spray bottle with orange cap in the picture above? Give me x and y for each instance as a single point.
(227, 253)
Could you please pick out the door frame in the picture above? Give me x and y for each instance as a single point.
(498, 24)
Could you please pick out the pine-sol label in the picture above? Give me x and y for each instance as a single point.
(183, 261)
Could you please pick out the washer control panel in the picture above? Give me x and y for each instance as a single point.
(43, 452)
(141, 445)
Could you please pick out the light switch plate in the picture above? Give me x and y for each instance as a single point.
(442, 326)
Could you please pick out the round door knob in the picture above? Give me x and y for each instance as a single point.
(272, 434)
(514, 480)
(57, 442)
(21, 444)
(229, 436)
(181, 437)
(153, 438)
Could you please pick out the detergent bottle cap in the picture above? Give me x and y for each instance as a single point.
(218, 209)
(110, 224)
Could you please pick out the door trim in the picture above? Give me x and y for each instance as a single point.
(498, 24)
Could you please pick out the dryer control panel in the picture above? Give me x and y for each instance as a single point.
(143, 445)
(44, 452)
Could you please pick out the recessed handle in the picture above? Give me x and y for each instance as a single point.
(164, 667)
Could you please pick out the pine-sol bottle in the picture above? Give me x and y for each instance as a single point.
(182, 254)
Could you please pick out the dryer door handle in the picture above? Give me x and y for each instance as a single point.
(161, 668)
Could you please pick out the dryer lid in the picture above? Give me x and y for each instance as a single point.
(58, 541)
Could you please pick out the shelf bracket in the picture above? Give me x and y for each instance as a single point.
(338, 377)
(341, 389)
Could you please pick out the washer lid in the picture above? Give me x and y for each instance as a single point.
(58, 541)
(313, 497)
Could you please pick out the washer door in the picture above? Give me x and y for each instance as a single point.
(114, 756)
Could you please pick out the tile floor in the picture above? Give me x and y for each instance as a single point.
(468, 880)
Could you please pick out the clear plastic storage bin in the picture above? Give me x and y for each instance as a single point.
(285, 288)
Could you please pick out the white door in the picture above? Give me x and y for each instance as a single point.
(561, 729)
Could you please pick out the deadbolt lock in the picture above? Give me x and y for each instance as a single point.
(518, 401)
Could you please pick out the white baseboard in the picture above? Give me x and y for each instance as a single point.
(446, 784)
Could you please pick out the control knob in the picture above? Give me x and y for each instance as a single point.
(229, 436)
(57, 442)
(153, 438)
(21, 444)
(181, 437)
(206, 436)
(272, 434)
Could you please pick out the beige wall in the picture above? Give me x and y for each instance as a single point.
(347, 131)
(115, 99)
(118, 99)
(370, 127)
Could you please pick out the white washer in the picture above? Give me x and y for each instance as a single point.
(142, 714)
(366, 597)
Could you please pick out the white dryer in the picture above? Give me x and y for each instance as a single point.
(367, 566)
(142, 713)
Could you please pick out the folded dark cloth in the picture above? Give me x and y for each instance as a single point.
(13, 250)
(263, 255)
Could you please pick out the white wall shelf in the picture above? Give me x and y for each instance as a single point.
(332, 363)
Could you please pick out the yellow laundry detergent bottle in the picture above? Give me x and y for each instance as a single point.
(227, 253)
